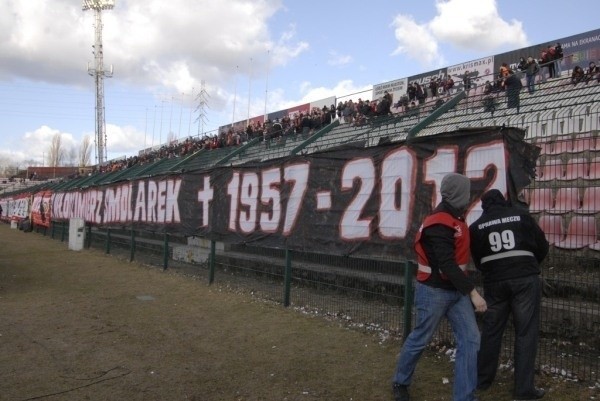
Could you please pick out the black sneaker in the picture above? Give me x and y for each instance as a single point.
(400, 392)
(536, 394)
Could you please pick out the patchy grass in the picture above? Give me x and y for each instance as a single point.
(87, 326)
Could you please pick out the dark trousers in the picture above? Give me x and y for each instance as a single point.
(520, 297)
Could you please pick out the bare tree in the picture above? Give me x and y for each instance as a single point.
(72, 157)
(56, 152)
(32, 163)
(5, 163)
(85, 151)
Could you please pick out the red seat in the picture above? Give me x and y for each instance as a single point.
(580, 233)
(552, 169)
(540, 200)
(576, 168)
(594, 171)
(566, 200)
(562, 145)
(590, 202)
(546, 147)
(552, 226)
(583, 143)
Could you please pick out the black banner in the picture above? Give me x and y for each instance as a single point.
(352, 201)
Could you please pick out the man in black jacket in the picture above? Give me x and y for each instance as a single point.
(513, 91)
(558, 56)
(507, 246)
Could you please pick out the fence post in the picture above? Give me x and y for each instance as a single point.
(211, 262)
(52, 228)
(166, 252)
(108, 240)
(132, 246)
(287, 278)
(89, 236)
(62, 234)
(409, 269)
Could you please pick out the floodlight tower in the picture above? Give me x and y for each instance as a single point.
(99, 73)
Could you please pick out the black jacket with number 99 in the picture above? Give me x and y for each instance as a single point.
(506, 243)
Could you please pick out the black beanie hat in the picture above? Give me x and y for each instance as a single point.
(493, 197)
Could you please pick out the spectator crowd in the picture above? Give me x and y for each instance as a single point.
(357, 113)
(269, 132)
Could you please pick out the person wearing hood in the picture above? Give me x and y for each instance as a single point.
(443, 289)
(507, 246)
(513, 87)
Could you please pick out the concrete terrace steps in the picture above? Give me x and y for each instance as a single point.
(553, 99)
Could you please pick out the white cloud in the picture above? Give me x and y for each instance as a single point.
(42, 40)
(336, 59)
(464, 24)
(475, 25)
(345, 89)
(149, 43)
(122, 141)
(283, 50)
(155, 46)
(127, 139)
(38, 141)
(416, 41)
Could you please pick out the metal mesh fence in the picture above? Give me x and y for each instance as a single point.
(565, 199)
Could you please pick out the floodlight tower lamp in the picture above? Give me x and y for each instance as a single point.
(98, 4)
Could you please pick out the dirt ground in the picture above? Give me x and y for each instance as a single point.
(82, 325)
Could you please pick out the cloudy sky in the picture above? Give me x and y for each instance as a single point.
(246, 56)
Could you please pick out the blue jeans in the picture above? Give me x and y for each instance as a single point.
(531, 83)
(433, 304)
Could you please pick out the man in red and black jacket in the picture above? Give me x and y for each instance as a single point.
(444, 289)
(507, 246)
